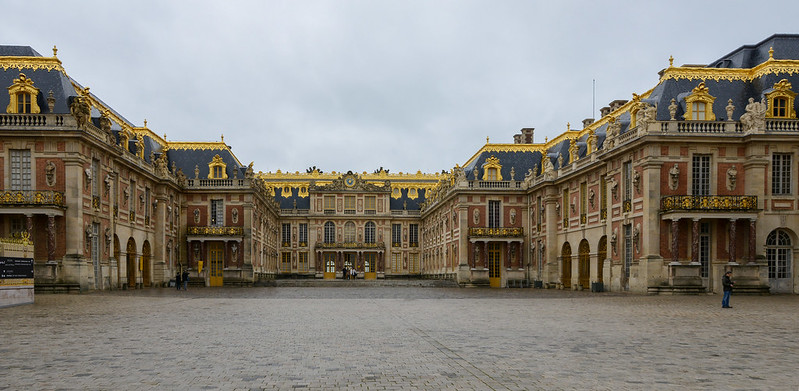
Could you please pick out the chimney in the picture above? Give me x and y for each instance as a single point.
(617, 103)
(604, 111)
(525, 137)
(587, 121)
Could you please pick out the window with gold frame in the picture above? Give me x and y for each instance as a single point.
(285, 262)
(217, 168)
(349, 204)
(699, 105)
(22, 97)
(330, 204)
(781, 100)
(370, 207)
(302, 265)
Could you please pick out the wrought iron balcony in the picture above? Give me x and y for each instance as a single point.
(32, 198)
(708, 203)
(496, 232)
(216, 231)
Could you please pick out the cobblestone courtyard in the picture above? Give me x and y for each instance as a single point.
(398, 338)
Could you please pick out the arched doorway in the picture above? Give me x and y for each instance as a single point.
(130, 258)
(602, 253)
(584, 264)
(146, 269)
(494, 261)
(369, 265)
(566, 266)
(780, 263)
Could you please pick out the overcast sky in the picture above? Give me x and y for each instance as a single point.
(358, 85)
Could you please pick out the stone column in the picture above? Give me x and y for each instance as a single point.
(695, 241)
(50, 238)
(484, 260)
(675, 243)
(732, 240)
(752, 239)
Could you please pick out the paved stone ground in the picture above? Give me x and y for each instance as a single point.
(398, 338)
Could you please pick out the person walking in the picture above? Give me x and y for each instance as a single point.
(177, 280)
(727, 284)
(185, 280)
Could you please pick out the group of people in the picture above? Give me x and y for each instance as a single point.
(182, 280)
(349, 273)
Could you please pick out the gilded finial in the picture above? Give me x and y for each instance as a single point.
(568, 126)
(771, 53)
(671, 61)
(145, 122)
(223, 138)
(486, 139)
(546, 139)
(164, 136)
(55, 51)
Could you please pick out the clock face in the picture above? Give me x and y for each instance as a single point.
(349, 181)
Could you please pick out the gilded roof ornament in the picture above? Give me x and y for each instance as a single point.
(671, 61)
(55, 51)
(771, 53)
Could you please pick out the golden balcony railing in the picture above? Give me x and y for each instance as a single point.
(496, 232)
(708, 203)
(32, 198)
(350, 245)
(216, 231)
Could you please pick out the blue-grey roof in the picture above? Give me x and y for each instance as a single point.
(404, 202)
(187, 159)
(786, 46)
(18, 51)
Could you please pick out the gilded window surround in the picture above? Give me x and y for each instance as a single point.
(700, 94)
(782, 89)
(217, 162)
(24, 85)
(492, 163)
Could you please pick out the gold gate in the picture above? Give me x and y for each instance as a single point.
(494, 260)
(216, 262)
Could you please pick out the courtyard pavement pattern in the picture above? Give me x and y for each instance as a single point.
(398, 338)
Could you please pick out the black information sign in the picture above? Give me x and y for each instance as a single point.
(16, 267)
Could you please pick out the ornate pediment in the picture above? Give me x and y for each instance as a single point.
(352, 182)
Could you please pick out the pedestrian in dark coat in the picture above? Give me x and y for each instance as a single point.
(727, 284)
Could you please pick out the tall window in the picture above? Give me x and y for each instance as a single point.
(217, 213)
(491, 174)
(369, 232)
(700, 168)
(95, 178)
(628, 249)
(583, 203)
(627, 172)
(413, 263)
(603, 198)
(20, 169)
(285, 234)
(539, 212)
(778, 254)
(396, 262)
(218, 172)
(147, 205)
(285, 262)
(330, 232)
(349, 232)
(132, 195)
(349, 204)
(303, 234)
(371, 205)
(413, 235)
(330, 204)
(302, 262)
(396, 235)
(493, 214)
(781, 174)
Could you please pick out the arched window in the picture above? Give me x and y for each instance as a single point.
(778, 254)
(217, 168)
(369, 232)
(349, 232)
(699, 105)
(781, 100)
(22, 97)
(330, 232)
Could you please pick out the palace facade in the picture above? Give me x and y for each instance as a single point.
(662, 194)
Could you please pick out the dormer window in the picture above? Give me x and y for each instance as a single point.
(22, 97)
(492, 169)
(781, 100)
(216, 168)
(699, 105)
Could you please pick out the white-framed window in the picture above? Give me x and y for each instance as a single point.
(349, 232)
(494, 214)
(396, 235)
(303, 234)
(330, 232)
(285, 234)
(396, 262)
(370, 206)
(413, 235)
(20, 169)
(700, 170)
(627, 173)
(217, 213)
(628, 249)
(369, 232)
(781, 173)
(778, 254)
(330, 204)
(349, 204)
(413, 263)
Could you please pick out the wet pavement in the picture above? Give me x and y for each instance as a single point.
(398, 338)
